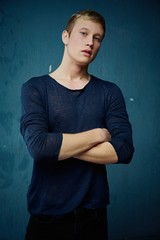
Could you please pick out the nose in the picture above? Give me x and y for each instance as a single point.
(89, 45)
(89, 42)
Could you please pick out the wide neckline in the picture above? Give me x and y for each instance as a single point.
(70, 89)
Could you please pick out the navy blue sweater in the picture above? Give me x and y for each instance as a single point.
(50, 109)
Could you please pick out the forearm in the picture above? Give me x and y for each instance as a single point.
(74, 144)
(102, 153)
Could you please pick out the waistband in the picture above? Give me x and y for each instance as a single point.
(80, 211)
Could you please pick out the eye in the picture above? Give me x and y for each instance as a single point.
(83, 33)
(98, 39)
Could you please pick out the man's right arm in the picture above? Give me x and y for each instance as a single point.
(73, 144)
(51, 145)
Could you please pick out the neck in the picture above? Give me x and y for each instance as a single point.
(73, 72)
(69, 70)
(71, 77)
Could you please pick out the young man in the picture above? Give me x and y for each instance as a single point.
(73, 124)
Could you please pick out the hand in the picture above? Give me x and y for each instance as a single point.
(107, 135)
(102, 134)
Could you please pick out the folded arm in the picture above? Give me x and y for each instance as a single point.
(102, 153)
(91, 146)
(80, 144)
(51, 145)
(118, 146)
(99, 145)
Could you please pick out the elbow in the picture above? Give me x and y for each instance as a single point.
(38, 154)
(130, 155)
(35, 154)
(124, 149)
(43, 147)
(125, 155)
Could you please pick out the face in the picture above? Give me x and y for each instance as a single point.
(84, 41)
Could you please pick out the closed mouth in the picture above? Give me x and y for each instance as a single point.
(88, 52)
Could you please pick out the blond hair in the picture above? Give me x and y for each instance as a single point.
(87, 15)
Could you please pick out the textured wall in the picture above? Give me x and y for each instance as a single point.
(30, 45)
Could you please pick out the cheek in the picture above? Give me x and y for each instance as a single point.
(95, 49)
(76, 41)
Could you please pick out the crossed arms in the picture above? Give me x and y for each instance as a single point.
(99, 145)
(91, 146)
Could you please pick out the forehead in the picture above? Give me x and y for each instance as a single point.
(89, 25)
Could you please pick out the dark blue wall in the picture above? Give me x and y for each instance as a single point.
(30, 45)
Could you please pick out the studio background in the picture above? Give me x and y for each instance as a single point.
(30, 45)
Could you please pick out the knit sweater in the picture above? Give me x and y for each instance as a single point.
(50, 109)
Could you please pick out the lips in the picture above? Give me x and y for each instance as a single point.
(87, 52)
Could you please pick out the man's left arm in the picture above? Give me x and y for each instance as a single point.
(103, 153)
(119, 148)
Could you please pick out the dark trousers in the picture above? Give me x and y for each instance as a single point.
(81, 224)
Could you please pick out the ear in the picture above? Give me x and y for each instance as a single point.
(65, 37)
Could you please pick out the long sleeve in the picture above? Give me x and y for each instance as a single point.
(41, 142)
(118, 124)
(48, 110)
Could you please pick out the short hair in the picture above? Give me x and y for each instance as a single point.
(88, 15)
